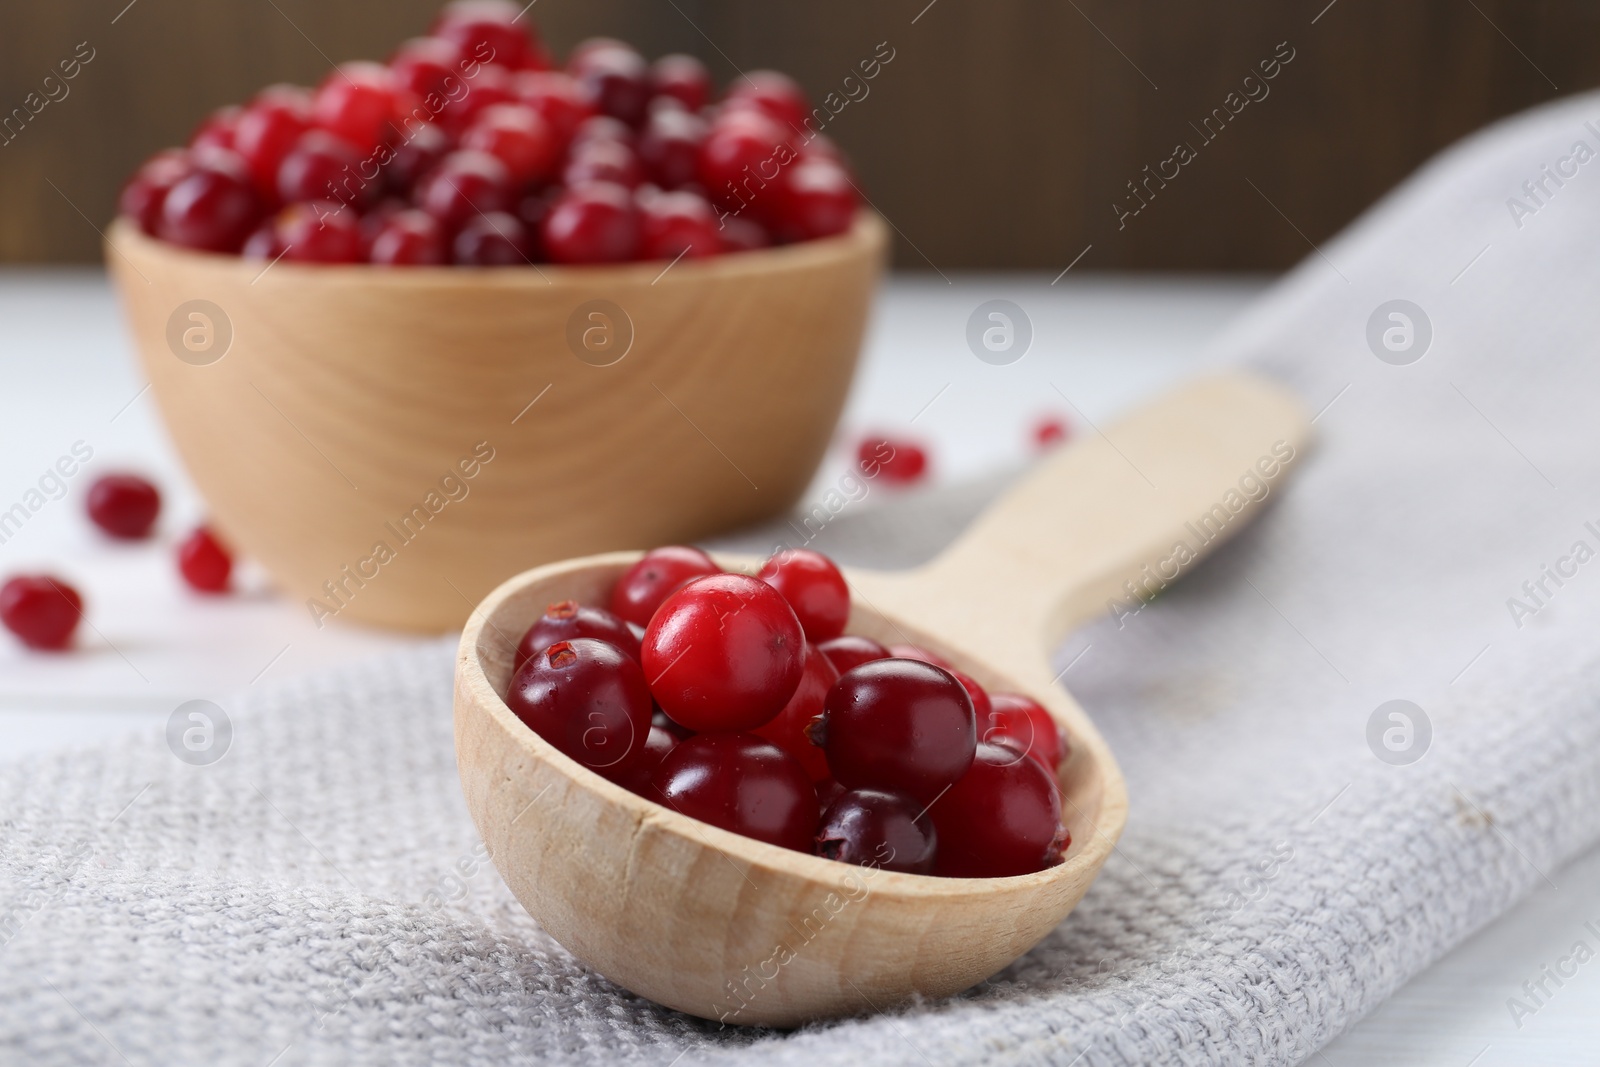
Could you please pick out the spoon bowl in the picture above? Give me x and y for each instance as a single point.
(733, 929)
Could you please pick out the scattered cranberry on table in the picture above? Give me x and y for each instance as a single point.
(638, 160)
(42, 611)
(1049, 431)
(203, 562)
(124, 506)
(896, 462)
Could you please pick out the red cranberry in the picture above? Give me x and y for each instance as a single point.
(145, 192)
(603, 128)
(669, 147)
(1049, 431)
(409, 238)
(532, 210)
(218, 128)
(427, 66)
(464, 185)
(267, 132)
(421, 150)
(567, 620)
(1002, 818)
(124, 505)
(263, 244)
(980, 698)
(741, 160)
(817, 199)
(494, 239)
(643, 587)
(743, 235)
(636, 775)
(323, 167)
(813, 587)
(519, 136)
(203, 562)
(682, 77)
(602, 161)
(850, 651)
(588, 699)
(774, 94)
(487, 30)
(321, 231)
(898, 724)
(490, 86)
(1023, 724)
(359, 102)
(725, 652)
(788, 730)
(212, 208)
(873, 828)
(677, 224)
(618, 79)
(920, 654)
(558, 98)
(743, 784)
(42, 611)
(898, 462)
(595, 223)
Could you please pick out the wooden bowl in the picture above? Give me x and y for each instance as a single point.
(730, 928)
(392, 444)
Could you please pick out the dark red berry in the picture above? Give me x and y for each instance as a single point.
(595, 223)
(321, 231)
(662, 571)
(897, 462)
(493, 239)
(558, 98)
(145, 192)
(602, 161)
(851, 651)
(463, 186)
(423, 148)
(874, 828)
(588, 698)
(1023, 724)
(567, 620)
(636, 775)
(742, 159)
(669, 147)
(263, 244)
(360, 103)
(816, 199)
(813, 587)
(42, 611)
(774, 94)
(740, 783)
(618, 80)
(980, 698)
(124, 505)
(1049, 431)
(323, 167)
(428, 66)
(682, 77)
(900, 725)
(1002, 818)
(203, 562)
(725, 652)
(519, 137)
(488, 30)
(409, 238)
(213, 208)
(828, 791)
(789, 730)
(603, 128)
(268, 130)
(678, 224)
(742, 234)
(491, 86)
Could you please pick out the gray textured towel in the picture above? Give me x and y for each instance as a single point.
(319, 896)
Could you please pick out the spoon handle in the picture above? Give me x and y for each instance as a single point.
(1109, 521)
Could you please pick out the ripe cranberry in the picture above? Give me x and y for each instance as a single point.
(813, 587)
(490, 86)
(741, 160)
(603, 128)
(263, 244)
(124, 506)
(743, 235)
(816, 199)
(669, 147)
(898, 724)
(725, 652)
(774, 94)
(519, 136)
(213, 207)
(487, 30)
(145, 192)
(1049, 431)
(677, 224)
(979, 696)
(494, 239)
(320, 231)
(218, 128)
(588, 699)
(422, 149)
(899, 462)
(558, 98)
(1002, 818)
(42, 611)
(788, 730)
(602, 161)
(464, 185)
(1023, 724)
(323, 167)
(595, 223)
(268, 130)
(360, 103)
(618, 79)
(409, 238)
(636, 775)
(203, 562)
(643, 587)
(850, 651)
(743, 784)
(920, 654)
(683, 78)
(874, 828)
(427, 66)
(567, 620)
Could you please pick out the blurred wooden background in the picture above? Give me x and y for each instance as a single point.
(1000, 135)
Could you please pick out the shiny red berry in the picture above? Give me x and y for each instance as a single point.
(900, 725)
(213, 208)
(268, 130)
(490, 86)
(682, 77)
(218, 128)
(427, 66)
(669, 147)
(493, 239)
(519, 137)
(42, 611)
(774, 94)
(1002, 818)
(789, 730)
(979, 696)
(603, 128)
(617, 79)
(588, 698)
(725, 652)
(463, 186)
(742, 159)
(873, 828)
(1049, 431)
(742, 234)
(813, 587)
(636, 775)
(360, 103)
(124, 505)
(740, 783)
(602, 160)
(659, 574)
(563, 103)
(203, 562)
(595, 223)
(897, 462)
(409, 238)
(1023, 724)
(567, 620)
(851, 651)
(488, 30)
(147, 190)
(320, 232)
(677, 224)
(816, 199)
(422, 149)
(321, 166)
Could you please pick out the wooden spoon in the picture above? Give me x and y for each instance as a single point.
(729, 928)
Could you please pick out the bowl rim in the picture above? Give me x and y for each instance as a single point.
(472, 683)
(868, 235)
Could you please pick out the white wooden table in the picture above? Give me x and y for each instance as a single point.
(66, 375)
